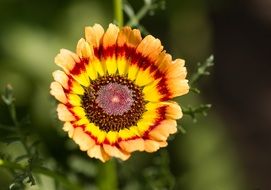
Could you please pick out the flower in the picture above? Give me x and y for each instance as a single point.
(115, 92)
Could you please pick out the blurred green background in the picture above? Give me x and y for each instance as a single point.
(227, 150)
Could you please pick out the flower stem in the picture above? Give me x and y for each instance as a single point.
(118, 12)
(107, 178)
(9, 99)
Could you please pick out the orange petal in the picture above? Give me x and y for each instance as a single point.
(150, 47)
(129, 37)
(64, 114)
(68, 128)
(178, 86)
(97, 152)
(173, 110)
(151, 145)
(84, 141)
(134, 38)
(94, 34)
(66, 60)
(132, 145)
(123, 36)
(62, 78)
(176, 69)
(162, 143)
(58, 92)
(163, 60)
(115, 152)
(163, 130)
(110, 36)
(84, 50)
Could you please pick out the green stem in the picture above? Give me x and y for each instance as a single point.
(107, 178)
(12, 111)
(118, 12)
(141, 13)
(43, 171)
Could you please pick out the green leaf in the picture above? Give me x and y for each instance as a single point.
(21, 157)
(194, 111)
(202, 70)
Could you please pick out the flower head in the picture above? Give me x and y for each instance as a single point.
(115, 92)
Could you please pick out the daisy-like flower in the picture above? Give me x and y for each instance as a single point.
(115, 92)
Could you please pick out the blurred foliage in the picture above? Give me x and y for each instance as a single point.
(32, 34)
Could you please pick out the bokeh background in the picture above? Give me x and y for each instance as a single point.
(230, 149)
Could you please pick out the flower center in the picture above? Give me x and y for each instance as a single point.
(114, 98)
(113, 103)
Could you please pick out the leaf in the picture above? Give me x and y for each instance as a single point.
(128, 9)
(194, 111)
(22, 157)
(202, 70)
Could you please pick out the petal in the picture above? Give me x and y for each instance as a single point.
(163, 143)
(132, 145)
(76, 88)
(163, 60)
(151, 92)
(82, 77)
(82, 121)
(173, 110)
(176, 69)
(129, 37)
(151, 145)
(143, 125)
(112, 136)
(68, 128)
(96, 132)
(163, 130)
(66, 60)
(111, 65)
(97, 65)
(84, 141)
(84, 50)
(61, 77)
(92, 73)
(150, 47)
(126, 133)
(144, 77)
(74, 99)
(97, 152)
(79, 111)
(109, 47)
(128, 40)
(94, 35)
(122, 65)
(64, 114)
(134, 38)
(110, 36)
(58, 92)
(178, 86)
(115, 152)
(132, 72)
